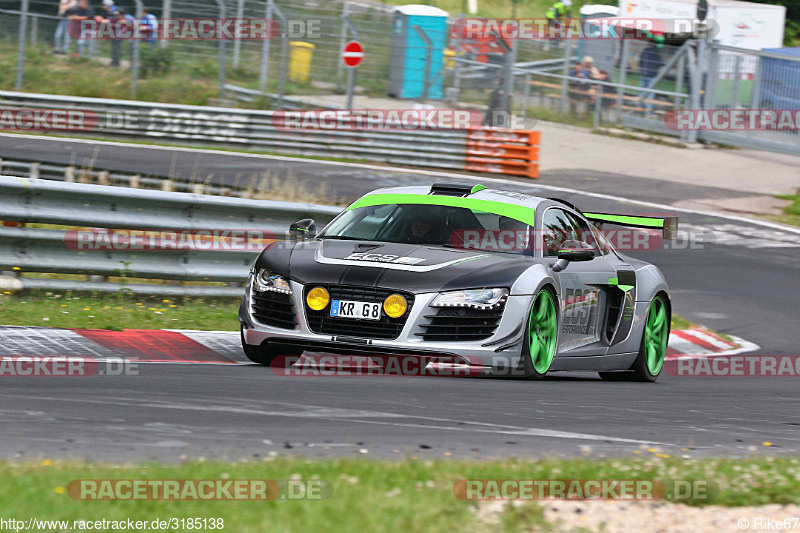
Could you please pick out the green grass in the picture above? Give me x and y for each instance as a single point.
(369, 495)
(792, 211)
(117, 311)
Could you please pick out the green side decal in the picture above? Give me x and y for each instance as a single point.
(517, 212)
(613, 281)
(627, 220)
(625, 288)
(477, 188)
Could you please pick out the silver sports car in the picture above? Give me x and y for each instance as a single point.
(507, 282)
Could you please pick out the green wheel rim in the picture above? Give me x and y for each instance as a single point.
(542, 331)
(656, 331)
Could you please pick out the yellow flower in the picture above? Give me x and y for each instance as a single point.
(15, 268)
(766, 443)
(165, 301)
(60, 490)
(87, 308)
(173, 305)
(47, 462)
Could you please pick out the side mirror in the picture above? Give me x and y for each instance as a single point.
(573, 251)
(303, 229)
(576, 255)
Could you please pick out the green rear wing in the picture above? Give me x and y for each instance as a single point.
(667, 225)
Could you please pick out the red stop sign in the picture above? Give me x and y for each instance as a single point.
(353, 54)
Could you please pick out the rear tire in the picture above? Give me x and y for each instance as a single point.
(652, 349)
(541, 336)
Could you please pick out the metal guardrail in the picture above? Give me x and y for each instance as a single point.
(254, 129)
(80, 205)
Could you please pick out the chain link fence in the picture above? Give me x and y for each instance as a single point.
(633, 83)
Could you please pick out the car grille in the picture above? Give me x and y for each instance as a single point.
(461, 324)
(385, 328)
(274, 309)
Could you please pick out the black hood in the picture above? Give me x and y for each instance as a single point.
(409, 267)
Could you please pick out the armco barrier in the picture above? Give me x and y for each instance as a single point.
(96, 206)
(253, 129)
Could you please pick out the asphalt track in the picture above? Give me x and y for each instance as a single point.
(739, 278)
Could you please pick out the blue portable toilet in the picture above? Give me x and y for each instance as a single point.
(409, 54)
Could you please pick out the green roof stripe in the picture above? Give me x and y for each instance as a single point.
(627, 220)
(517, 212)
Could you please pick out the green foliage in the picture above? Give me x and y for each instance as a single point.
(154, 61)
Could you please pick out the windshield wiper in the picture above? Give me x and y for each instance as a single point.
(342, 238)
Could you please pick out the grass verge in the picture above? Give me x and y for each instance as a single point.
(117, 311)
(370, 495)
(792, 211)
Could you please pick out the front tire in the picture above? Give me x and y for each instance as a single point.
(653, 348)
(541, 336)
(256, 353)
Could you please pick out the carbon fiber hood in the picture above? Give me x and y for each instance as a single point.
(410, 267)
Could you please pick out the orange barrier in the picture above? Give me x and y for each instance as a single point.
(503, 151)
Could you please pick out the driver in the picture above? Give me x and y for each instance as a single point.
(422, 227)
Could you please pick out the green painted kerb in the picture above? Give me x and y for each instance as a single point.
(647, 222)
(517, 212)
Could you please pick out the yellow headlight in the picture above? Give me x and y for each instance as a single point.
(395, 305)
(318, 298)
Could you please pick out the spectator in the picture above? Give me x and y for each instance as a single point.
(76, 14)
(649, 64)
(592, 72)
(62, 37)
(149, 24)
(120, 21)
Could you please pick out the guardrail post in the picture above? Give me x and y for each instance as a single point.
(33, 173)
(69, 174)
(102, 178)
(23, 29)
(565, 81)
(623, 73)
(135, 43)
(221, 44)
(342, 40)
(134, 181)
(34, 29)
(166, 13)
(262, 76)
(237, 44)
(598, 106)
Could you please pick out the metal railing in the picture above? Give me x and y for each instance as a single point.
(78, 205)
(262, 130)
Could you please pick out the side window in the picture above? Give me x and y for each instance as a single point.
(557, 227)
(560, 227)
(582, 232)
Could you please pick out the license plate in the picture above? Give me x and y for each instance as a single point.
(350, 309)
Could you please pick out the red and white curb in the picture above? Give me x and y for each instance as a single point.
(223, 347)
(698, 342)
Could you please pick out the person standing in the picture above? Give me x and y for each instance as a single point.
(650, 63)
(62, 40)
(149, 24)
(75, 15)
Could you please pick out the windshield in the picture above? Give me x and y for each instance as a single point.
(456, 227)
